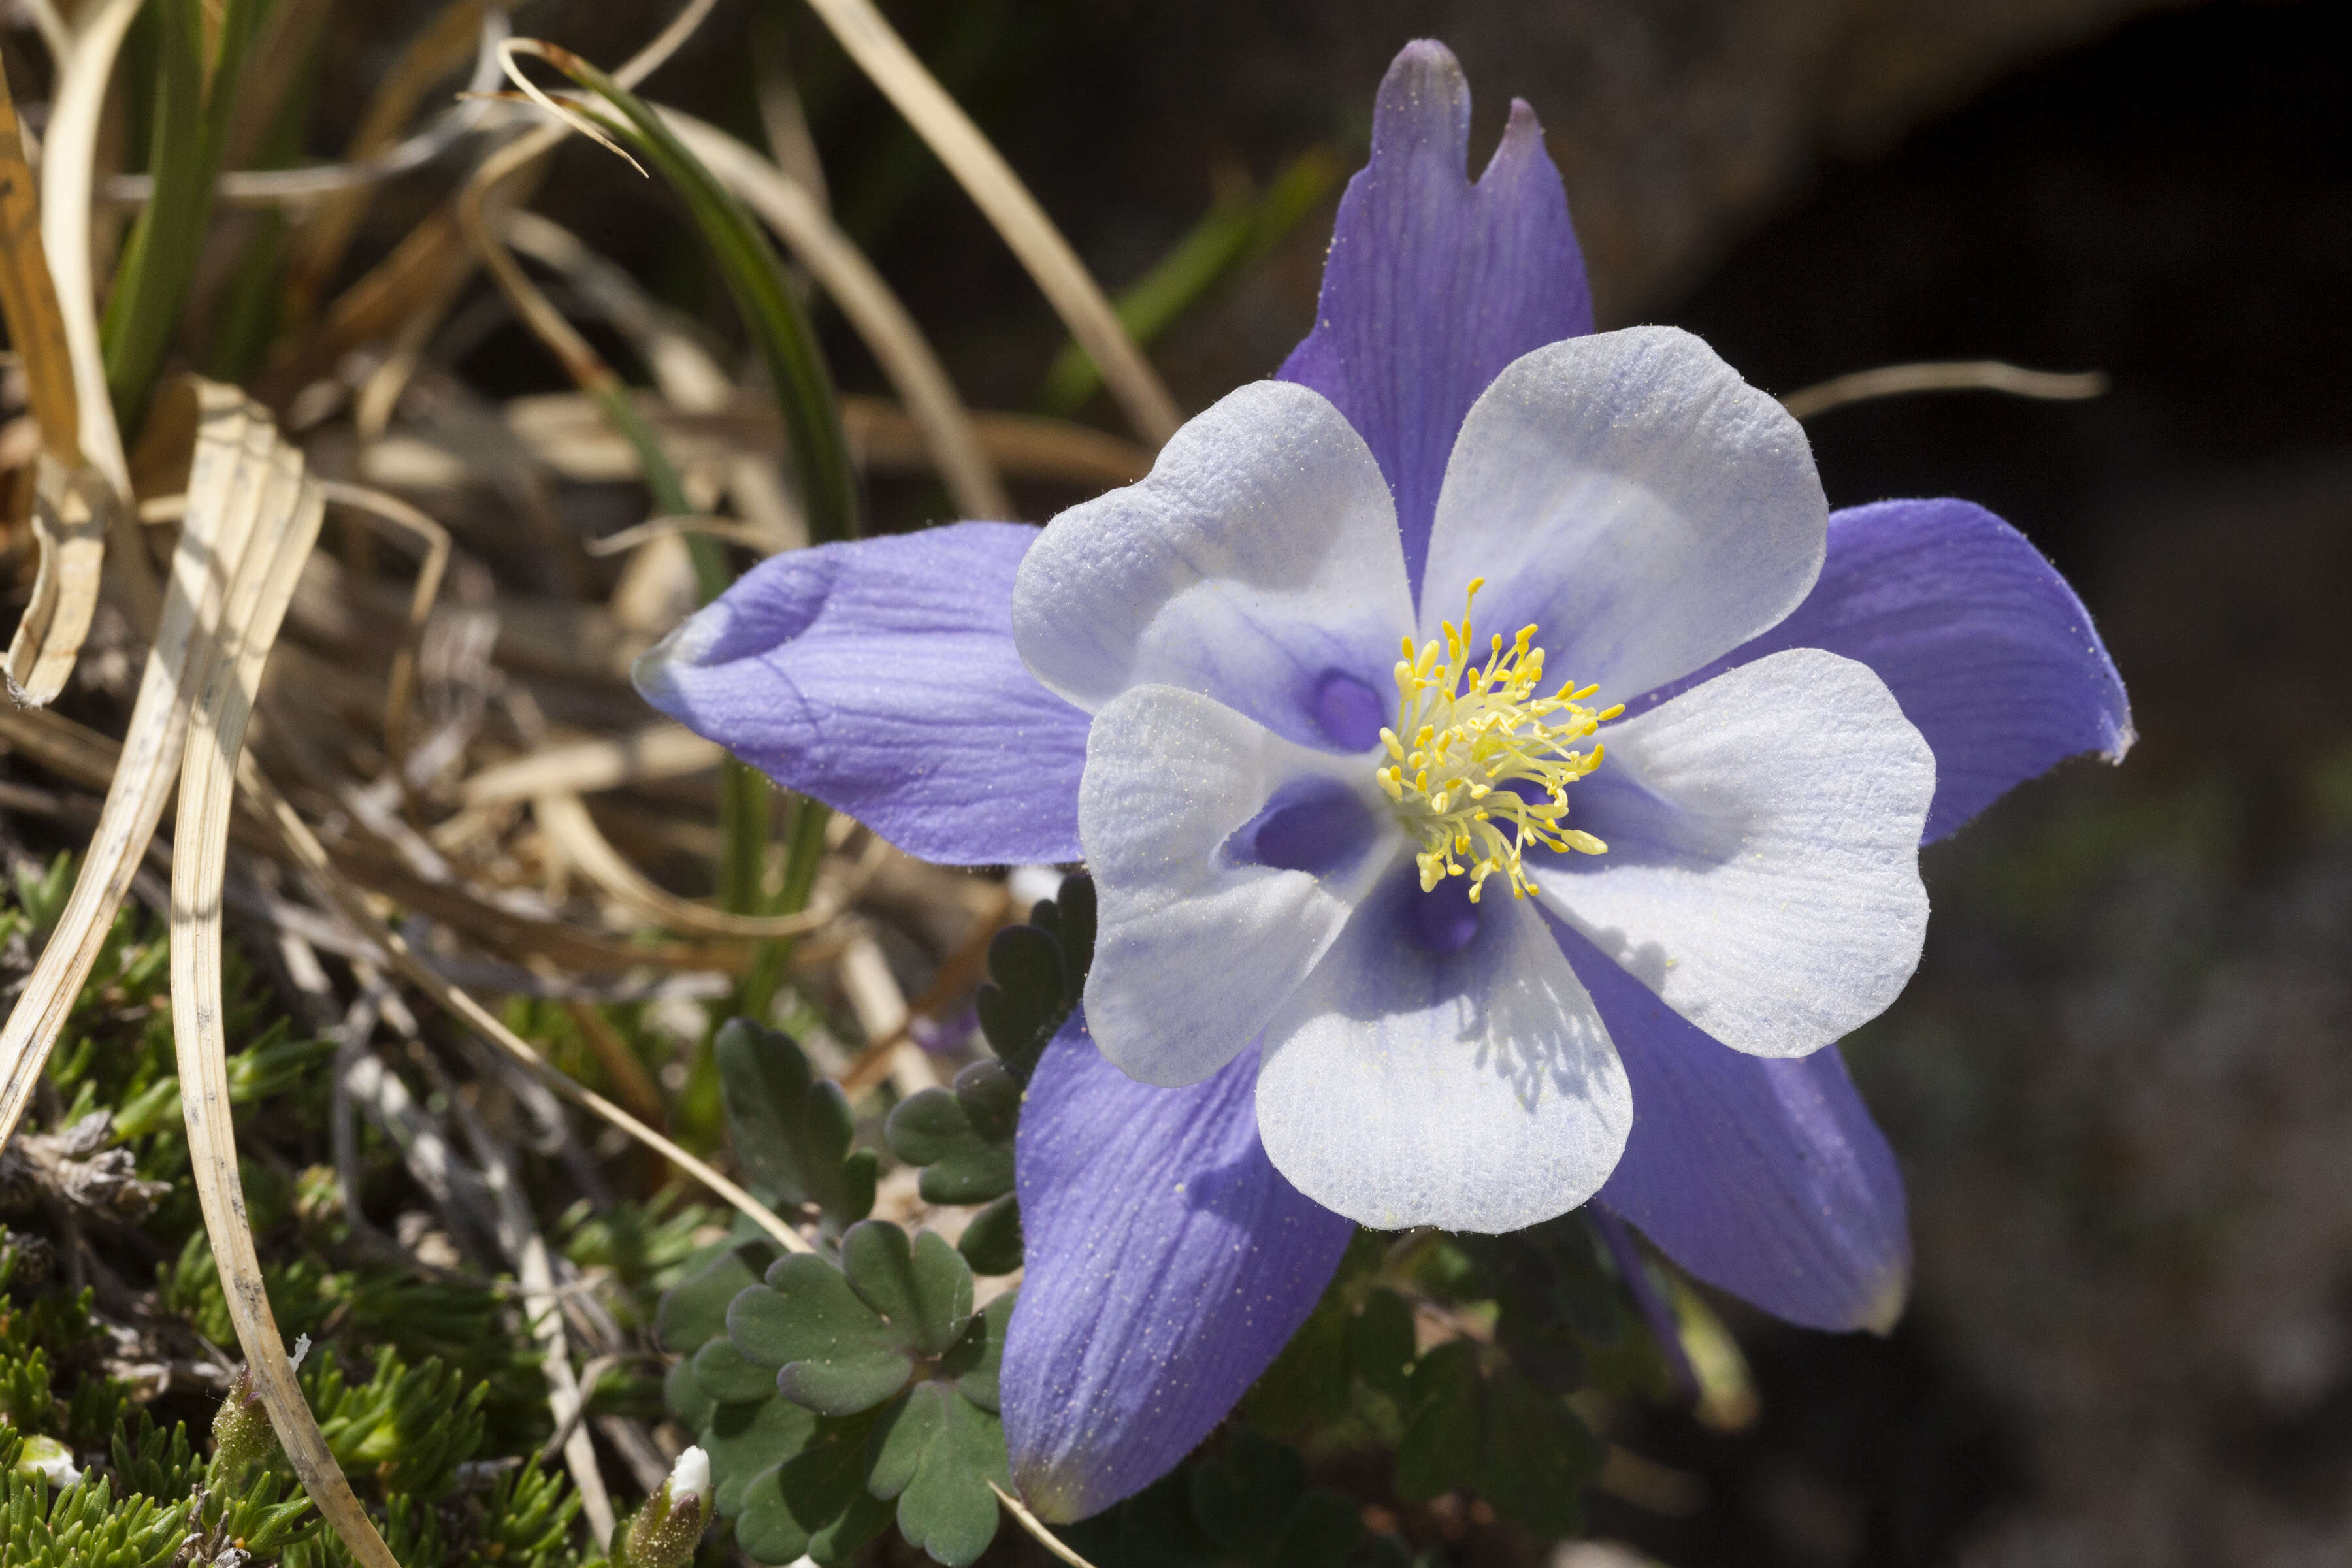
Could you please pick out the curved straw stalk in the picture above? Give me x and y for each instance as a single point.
(565, 820)
(867, 303)
(141, 777)
(998, 191)
(1944, 375)
(272, 517)
(72, 506)
(67, 166)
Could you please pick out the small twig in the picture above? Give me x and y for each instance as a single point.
(1944, 375)
(1036, 1528)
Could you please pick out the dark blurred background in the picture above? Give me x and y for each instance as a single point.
(2122, 1084)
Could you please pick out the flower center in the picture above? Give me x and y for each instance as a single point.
(1465, 731)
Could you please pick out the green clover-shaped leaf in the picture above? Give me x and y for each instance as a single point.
(828, 1349)
(728, 1378)
(992, 1243)
(936, 1453)
(694, 1312)
(1382, 1344)
(973, 1360)
(842, 1340)
(790, 1128)
(744, 1440)
(921, 1289)
(814, 1490)
(962, 1137)
(1499, 1433)
(1245, 1496)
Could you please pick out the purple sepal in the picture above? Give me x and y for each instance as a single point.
(879, 676)
(1763, 1175)
(1981, 641)
(1168, 1262)
(1434, 284)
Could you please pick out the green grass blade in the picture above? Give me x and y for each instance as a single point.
(1228, 238)
(755, 277)
(194, 107)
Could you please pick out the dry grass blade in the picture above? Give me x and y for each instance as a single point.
(868, 302)
(67, 164)
(1944, 375)
(312, 855)
(575, 833)
(28, 296)
(278, 513)
(424, 61)
(380, 507)
(69, 515)
(659, 752)
(572, 435)
(998, 191)
(149, 758)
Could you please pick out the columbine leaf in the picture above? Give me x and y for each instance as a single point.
(1498, 1433)
(745, 1441)
(1442, 1440)
(685, 1397)
(1382, 1344)
(936, 1452)
(1307, 1384)
(1539, 1457)
(922, 1289)
(1323, 1532)
(785, 1507)
(728, 1378)
(866, 1517)
(1245, 1496)
(962, 1137)
(1027, 999)
(1075, 906)
(791, 1129)
(992, 1243)
(831, 1351)
(976, 1359)
(694, 1312)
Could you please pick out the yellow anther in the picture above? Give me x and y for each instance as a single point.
(1475, 726)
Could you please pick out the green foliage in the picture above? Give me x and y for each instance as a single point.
(792, 1127)
(195, 95)
(81, 1526)
(962, 1137)
(1240, 228)
(825, 1393)
(771, 314)
(1254, 1501)
(406, 1428)
(1037, 973)
(147, 1461)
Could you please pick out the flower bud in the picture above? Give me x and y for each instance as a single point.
(665, 1529)
(47, 1457)
(241, 1433)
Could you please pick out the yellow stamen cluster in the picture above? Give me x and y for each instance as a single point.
(1473, 729)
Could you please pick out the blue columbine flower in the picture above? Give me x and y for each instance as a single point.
(1711, 760)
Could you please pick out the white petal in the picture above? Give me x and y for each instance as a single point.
(1476, 1090)
(1259, 557)
(1763, 867)
(1636, 501)
(1196, 947)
